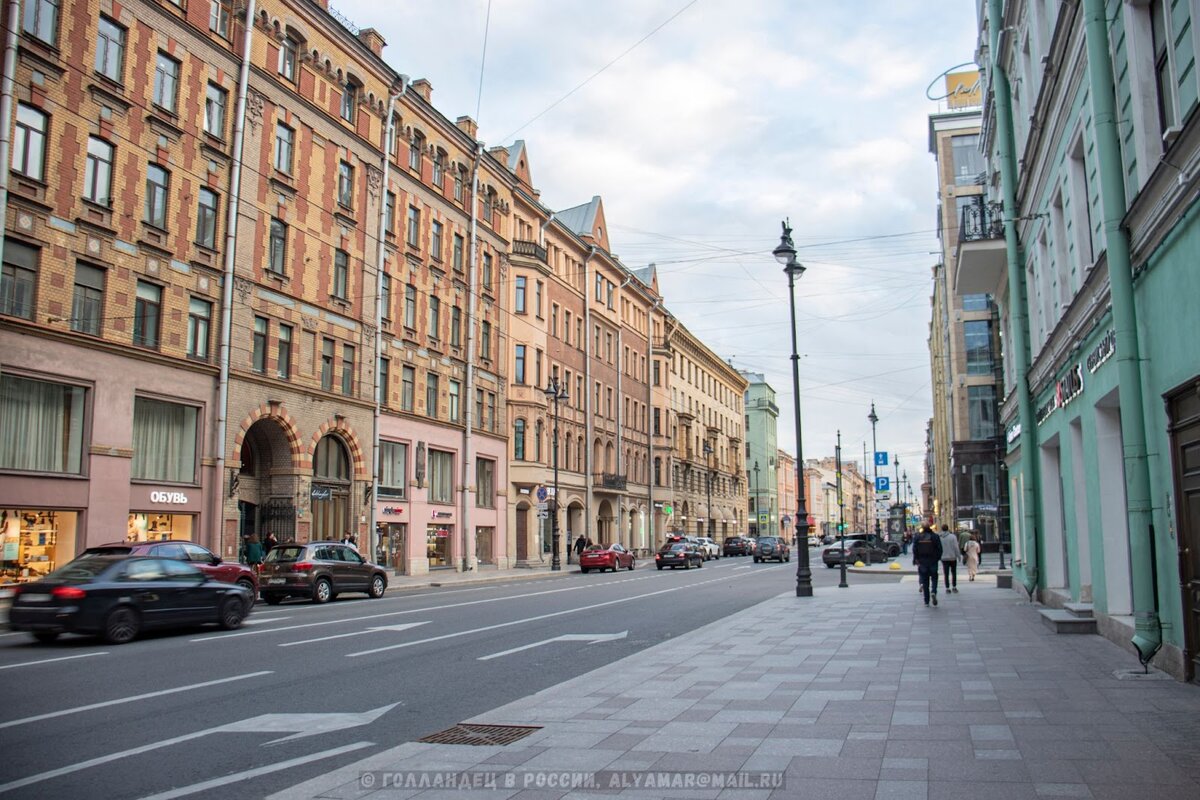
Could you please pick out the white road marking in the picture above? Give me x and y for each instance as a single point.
(402, 627)
(590, 638)
(745, 567)
(134, 698)
(184, 791)
(52, 660)
(262, 620)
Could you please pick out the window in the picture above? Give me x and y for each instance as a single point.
(385, 382)
(485, 339)
(976, 302)
(537, 299)
(485, 483)
(393, 469)
(479, 422)
(537, 440)
(435, 240)
(441, 476)
(431, 395)
(166, 81)
(968, 160)
(348, 369)
(435, 317)
(657, 374)
(283, 365)
(199, 324)
(164, 441)
(258, 357)
(611, 288)
(158, 182)
(345, 190)
(414, 226)
(519, 440)
(407, 381)
(599, 287)
(554, 320)
(41, 425)
(414, 152)
(566, 327)
(349, 100)
(285, 147)
(439, 168)
(97, 179)
(327, 364)
(110, 49)
(537, 372)
(487, 271)
(389, 213)
(206, 219)
(519, 301)
(19, 279)
(287, 59)
(981, 411)
(459, 185)
(455, 326)
(491, 411)
(277, 250)
(87, 304)
(41, 19)
(454, 397)
(147, 313)
(657, 423)
(385, 295)
(29, 142)
(489, 198)
(410, 306)
(519, 365)
(978, 336)
(457, 253)
(218, 17)
(1162, 65)
(341, 273)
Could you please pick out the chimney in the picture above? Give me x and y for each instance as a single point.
(324, 4)
(423, 88)
(371, 38)
(468, 126)
(500, 154)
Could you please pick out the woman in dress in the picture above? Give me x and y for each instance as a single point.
(972, 553)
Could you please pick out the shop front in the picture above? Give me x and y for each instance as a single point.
(392, 537)
(439, 538)
(35, 542)
(159, 513)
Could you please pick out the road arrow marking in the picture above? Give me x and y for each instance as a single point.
(401, 627)
(591, 638)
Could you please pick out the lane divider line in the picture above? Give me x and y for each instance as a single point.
(52, 660)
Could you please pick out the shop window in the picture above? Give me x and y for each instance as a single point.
(148, 527)
(485, 543)
(164, 441)
(485, 483)
(34, 542)
(437, 544)
(393, 469)
(441, 476)
(41, 425)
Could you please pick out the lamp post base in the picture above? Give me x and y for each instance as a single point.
(555, 561)
(804, 587)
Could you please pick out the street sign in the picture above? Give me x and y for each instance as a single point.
(762, 519)
(543, 510)
(883, 483)
(881, 458)
(541, 493)
(785, 520)
(667, 509)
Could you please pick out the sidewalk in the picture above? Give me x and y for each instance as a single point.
(856, 694)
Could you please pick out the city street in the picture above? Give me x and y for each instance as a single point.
(302, 689)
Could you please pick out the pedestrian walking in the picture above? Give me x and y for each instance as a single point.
(580, 543)
(972, 553)
(927, 552)
(254, 552)
(905, 538)
(950, 554)
(269, 543)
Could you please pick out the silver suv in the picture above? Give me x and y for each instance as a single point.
(710, 548)
(318, 570)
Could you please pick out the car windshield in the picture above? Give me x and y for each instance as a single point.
(82, 569)
(675, 547)
(285, 553)
(766, 540)
(107, 550)
(596, 548)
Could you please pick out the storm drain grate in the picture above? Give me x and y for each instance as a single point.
(481, 735)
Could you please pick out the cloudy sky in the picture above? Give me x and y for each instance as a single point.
(702, 124)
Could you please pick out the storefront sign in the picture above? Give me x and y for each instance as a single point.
(174, 498)
(442, 515)
(321, 493)
(393, 509)
(1066, 389)
(1013, 433)
(1102, 351)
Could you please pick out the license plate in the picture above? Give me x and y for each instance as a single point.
(36, 598)
(274, 581)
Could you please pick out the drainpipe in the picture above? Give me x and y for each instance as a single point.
(1017, 302)
(1147, 637)
(467, 404)
(6, 113)
(233, 213)
(588, 411)
(620, 416)
(650, 428)
(380, 270)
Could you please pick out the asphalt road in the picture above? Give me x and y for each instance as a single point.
(303, 688)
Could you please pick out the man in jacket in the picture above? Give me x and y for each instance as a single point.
(950, 556)
(927, 552)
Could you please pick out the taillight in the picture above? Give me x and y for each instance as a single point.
(657, 556)
(68, 593)
(302, 566)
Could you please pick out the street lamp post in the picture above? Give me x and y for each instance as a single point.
(708, 451)
(756, 530)
(555, 394)
(874, 447)
(785, 254)
(899, 500)
(841, 512)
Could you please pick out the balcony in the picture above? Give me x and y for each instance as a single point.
(611, 482)
(531, 252)
(982, 254)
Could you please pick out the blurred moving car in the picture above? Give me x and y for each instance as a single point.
(736, 546)
(892, 549)
(606, 556)
(709, 548)
(856, 550)
(813, 541)
(678, 554)
(117, 597)
(772, 548)
(319, 571)
(206, 560)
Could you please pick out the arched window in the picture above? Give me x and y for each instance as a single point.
(330, 461)
(609, 457)
(439, 167)
(519, 440)
(350, 92)
(416, 145)
(579, 452)
(598, 457)
(330, 489)
(537, 441)
(658, 471)
(566, 454)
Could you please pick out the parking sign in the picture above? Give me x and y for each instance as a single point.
(883, 484)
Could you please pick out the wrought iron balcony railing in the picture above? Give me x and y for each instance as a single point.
(531, 249)
(980, 222)
(611, 480)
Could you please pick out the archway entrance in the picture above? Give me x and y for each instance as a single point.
(266, 485)
(330, 490)
(604, 522)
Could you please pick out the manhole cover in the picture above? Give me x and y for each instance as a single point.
(481, 735)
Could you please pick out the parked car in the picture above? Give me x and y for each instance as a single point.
(118, 596)
(709, 548)
(856, 550)
(320, 571)
(606, 556)
(678, 554)
(813, 541)
(892, 549)
(206, 560)
(737, 546)
(828, 538)
(772, 548)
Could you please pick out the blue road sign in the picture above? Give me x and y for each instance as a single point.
(883, 484)
(542, 493)
(881, 458)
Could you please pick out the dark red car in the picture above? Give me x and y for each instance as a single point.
(606, 556)
(206, 560)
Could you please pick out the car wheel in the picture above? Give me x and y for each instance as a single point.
(756, 559)
(249, 584)
(273, 599)
(45, 637)
(831, 566)
(378, 587)
(231, 614)
(632, 562)
(789, 558)
(700, 564)
(659, 567)
(584, 570)
(121, 625)
(322, 591)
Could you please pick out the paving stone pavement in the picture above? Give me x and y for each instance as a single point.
(854, 693)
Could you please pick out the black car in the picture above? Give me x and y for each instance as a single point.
(772, 548)
(856, 550)
(679, 554)
(892, 549)
(117, 597)
(737, 546)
